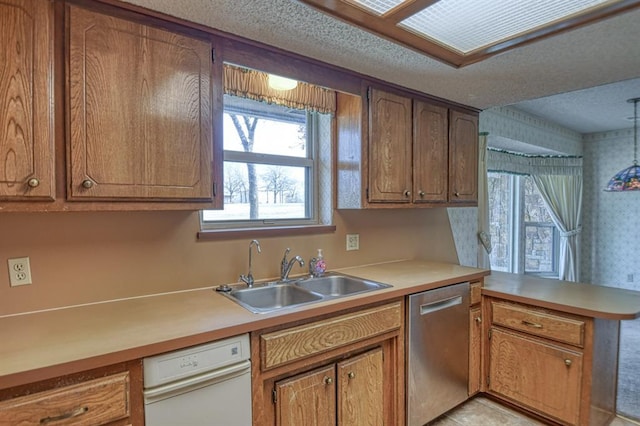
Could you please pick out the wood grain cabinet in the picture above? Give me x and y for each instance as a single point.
(463, 157)
(108, 396)
(412, 154)
(139, 110)
(475, 339)
(346, 393)
(26, 100)
(342, 370)
(557, 365)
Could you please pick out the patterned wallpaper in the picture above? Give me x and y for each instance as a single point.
(516, 125)
(611, 229)
(464, 226)
(519, 126)
(610, 251)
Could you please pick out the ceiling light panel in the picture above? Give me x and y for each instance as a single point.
(468, 25)
(379, 7)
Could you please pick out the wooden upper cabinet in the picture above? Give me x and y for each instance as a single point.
(463, 157)
(430, 153)
(26, 100)
(139, 110)
(390, 153)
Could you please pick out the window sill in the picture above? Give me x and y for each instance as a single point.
(281, 231)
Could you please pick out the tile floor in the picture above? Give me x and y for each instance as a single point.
(481, 411)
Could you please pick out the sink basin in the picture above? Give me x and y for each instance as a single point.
(270, 297)
(275, 295)
(338, 285)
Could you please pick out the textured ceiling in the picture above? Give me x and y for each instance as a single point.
(586, 57)
(597, 109)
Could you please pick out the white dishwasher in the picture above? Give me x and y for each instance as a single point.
(206, 385)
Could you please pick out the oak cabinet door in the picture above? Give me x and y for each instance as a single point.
(430, 153)
(536, 374)
(140, 120)
(390, 152)
(26, 100)
(308, 399)
(361, 390)
(463, 157)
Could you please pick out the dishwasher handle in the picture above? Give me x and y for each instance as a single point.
(195, 382)
(439, 305)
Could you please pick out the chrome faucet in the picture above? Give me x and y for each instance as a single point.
(248, 279)
(286, 265)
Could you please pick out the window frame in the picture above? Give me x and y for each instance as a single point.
(310, 162)
(517, 226)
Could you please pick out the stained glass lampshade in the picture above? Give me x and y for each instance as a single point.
(629, 178)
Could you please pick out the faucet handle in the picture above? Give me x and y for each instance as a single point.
(312, 266)
(286, 253)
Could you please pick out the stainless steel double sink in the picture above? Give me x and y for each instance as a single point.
(275, 295)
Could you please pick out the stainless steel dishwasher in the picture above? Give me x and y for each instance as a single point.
(202, 385)
(438, 352)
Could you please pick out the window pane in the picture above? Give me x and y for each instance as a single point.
(500, 202)
(281, 193)
(534, 207)
(252, 126)
(540, 242)
(539, 249)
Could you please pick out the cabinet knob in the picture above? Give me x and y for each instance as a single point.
(33, 182)
(407, 193)
(87, 183)
(421, 193)
(328, 380)
(479, 320)
(456, 194)
(351, 375)
(567, 362)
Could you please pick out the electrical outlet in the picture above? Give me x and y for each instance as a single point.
(353, 242)
(19, 271)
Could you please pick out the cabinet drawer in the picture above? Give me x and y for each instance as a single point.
(94, 402)
(292, 344)
(539, 323)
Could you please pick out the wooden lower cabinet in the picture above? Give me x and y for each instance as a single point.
(344, 369)
(349, 392)
(559, 366)
(361, 390)
(307, 398)
(475, 350)
(542, 376)
(107, 396)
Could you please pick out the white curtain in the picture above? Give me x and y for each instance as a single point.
(563, 197)
(484, 236)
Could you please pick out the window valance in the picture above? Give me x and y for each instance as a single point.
(252, 84)
(508, 162)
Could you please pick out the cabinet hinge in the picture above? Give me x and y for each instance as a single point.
(490, 333)
(488, 380)
(274, 396)
(366, 191)
(214, 189)
(213, 56)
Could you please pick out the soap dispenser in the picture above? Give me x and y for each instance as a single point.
(317, 265)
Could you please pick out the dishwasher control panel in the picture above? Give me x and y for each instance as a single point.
(187, 362)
